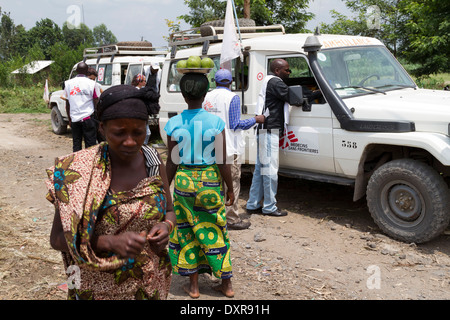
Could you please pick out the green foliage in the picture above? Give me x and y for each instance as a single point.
(103, 36)
(290, 13)
(429, 35)
(45, 41)
(23, 100)
(382, 19)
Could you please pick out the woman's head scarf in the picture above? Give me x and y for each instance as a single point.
(122, 101)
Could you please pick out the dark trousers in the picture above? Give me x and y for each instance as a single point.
(86, 130)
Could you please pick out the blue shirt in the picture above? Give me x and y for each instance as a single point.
(194, 130)
(235, 114)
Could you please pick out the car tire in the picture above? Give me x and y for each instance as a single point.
(59, 126)
(409, 200)
(205, 30)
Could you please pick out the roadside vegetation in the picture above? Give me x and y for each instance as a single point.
(415, 31)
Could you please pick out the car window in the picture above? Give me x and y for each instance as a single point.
(104, 74)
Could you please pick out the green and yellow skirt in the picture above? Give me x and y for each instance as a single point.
(200, 242)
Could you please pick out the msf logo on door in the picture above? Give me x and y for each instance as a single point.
(287, 139)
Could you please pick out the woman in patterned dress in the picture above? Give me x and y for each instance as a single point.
(113, 206)
(200, 240)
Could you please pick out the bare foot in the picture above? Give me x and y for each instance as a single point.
(226, 290)
(193, 294)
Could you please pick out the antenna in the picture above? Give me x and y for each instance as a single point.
(82, 10)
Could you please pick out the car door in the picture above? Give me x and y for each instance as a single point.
(307, 144)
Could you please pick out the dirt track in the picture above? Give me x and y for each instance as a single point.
(326, 248)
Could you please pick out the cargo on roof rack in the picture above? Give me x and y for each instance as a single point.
(115, 50)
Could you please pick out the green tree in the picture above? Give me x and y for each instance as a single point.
(7, 31)
(382, 19)
(290, 13)
(46, 33)
(22, 42)
(73, 37)
(103, 36)
(65, 58)
(428, 32)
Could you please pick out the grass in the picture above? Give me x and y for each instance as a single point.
(29, 99)
(23, 100)
(435, 81)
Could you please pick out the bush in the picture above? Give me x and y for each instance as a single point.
(23, 100)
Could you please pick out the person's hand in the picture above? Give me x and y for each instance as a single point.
(230, 198)
(260, 118)
(158, 238)
(128, 244)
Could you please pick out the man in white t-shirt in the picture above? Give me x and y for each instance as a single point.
(227, 105)
(81, 99)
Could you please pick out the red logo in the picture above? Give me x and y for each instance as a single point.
(287, 139)
(207, 105)
(74, 91)
(260, 76)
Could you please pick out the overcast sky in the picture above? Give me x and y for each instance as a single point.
(129, 20)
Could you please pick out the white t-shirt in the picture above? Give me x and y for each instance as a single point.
(81, 92)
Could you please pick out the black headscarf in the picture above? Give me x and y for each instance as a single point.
(125, 101)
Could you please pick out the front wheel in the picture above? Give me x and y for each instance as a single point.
(409, 200)
(59, 126)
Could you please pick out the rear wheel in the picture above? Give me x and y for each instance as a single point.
(409, 200)
(59, 126)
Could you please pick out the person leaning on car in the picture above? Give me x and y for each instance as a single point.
(81, 98)
(263, 190)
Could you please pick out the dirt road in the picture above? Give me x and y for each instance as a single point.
(326, 248)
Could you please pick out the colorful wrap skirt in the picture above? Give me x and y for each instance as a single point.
(200, 241)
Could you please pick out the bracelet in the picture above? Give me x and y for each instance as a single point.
(169, 225)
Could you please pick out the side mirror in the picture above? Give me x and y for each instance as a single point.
(63, 85)
(296, 95)
(296, 98)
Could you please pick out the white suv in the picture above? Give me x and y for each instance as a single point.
(115, 64)
(371, 128)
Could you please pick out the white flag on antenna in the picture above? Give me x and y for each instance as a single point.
(231, 47)
(46, 93)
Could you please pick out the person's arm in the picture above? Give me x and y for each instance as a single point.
(224, 168)
(68, 112)
(171, 167)
(158, 236)
(235, 116)
(57, 239)
(126, 245)
(280, 89)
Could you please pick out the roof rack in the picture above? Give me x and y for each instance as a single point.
(192, 37)
(115, 50)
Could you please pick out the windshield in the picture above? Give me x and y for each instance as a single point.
(363, 70)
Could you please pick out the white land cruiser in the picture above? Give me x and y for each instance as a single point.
(115, 64)
(372, 127)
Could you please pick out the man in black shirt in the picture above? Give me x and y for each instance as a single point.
(265, 177)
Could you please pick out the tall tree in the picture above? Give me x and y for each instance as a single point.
(46, 33)
(76, 36)
(290, 13)
(429, 35)
(382, 19)
(7, 31)
(103, 36)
